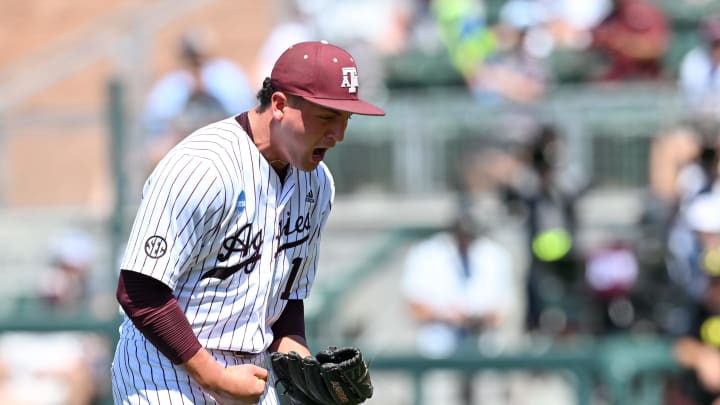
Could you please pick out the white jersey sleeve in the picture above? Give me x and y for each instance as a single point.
(183, 200)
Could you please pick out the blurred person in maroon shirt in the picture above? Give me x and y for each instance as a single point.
(634, 37)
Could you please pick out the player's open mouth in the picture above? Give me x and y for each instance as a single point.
(318, 154)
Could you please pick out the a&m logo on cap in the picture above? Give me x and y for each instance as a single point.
(350, 79)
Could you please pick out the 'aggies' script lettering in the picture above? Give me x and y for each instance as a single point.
(247, 245)
(289, 227)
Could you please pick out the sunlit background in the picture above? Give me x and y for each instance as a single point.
(575, 134)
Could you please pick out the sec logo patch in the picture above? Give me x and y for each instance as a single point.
(155, 247)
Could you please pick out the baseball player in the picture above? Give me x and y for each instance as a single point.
(224, 247)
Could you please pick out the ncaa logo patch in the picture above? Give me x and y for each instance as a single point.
(241, 203)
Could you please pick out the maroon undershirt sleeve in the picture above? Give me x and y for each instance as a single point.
(151, 307)
(291, 321)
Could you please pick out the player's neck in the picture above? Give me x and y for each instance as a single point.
(261, 139)
(280, 167)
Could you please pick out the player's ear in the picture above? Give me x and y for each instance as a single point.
(278, 102)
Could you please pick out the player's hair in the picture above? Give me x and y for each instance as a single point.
(264, 96)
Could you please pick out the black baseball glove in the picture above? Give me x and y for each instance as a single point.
(334, 376)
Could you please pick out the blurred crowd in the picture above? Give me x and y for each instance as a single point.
(660, 279)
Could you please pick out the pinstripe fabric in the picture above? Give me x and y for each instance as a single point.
(234, 243)
(143, 376)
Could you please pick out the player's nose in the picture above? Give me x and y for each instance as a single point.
(337, 134)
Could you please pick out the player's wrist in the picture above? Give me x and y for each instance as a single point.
(205, 370)
(289, 343)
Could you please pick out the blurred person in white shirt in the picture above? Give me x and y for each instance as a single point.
(698, 77)
(459, 283)
(204, 88)
(460, 287)
(295, 26)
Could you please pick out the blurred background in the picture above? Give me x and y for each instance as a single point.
(534, 222)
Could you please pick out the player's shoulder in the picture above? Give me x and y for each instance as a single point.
(322, 176)
(216, 144)
(323, 172)
(220, 132)
(221, 140)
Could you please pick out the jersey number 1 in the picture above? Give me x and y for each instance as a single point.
(293, 273)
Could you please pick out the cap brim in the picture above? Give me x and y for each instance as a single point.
(352, 106)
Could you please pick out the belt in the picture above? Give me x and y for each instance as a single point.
(241, 353)
(238, 353)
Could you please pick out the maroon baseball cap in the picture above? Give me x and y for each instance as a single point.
(323, 74)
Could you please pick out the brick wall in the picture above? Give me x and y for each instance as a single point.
(30, 26)
(48, 164)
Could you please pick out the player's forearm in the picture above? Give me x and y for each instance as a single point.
(204, 369)
(155, 312)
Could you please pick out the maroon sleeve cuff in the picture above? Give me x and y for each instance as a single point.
(152, 308)
(291, 321)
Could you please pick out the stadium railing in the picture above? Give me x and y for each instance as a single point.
(630, 369)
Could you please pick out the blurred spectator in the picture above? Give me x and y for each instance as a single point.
(516, 71)
(634, 37)
(611, 272)
(679, 165)
(699, 80)
(465, 32)
(296, 27)
(547, 190)
(420, 57)
(684, 166)
(58, 368)
(381, 20)
(571, 22)
(698, 348)
(685, 264)
(66, 287)
(205, 88)
(417, 28)
(383, 32)
(674, 167)
(458, 283)
(63, 368)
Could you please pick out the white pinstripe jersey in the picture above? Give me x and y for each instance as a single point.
(230, 239)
